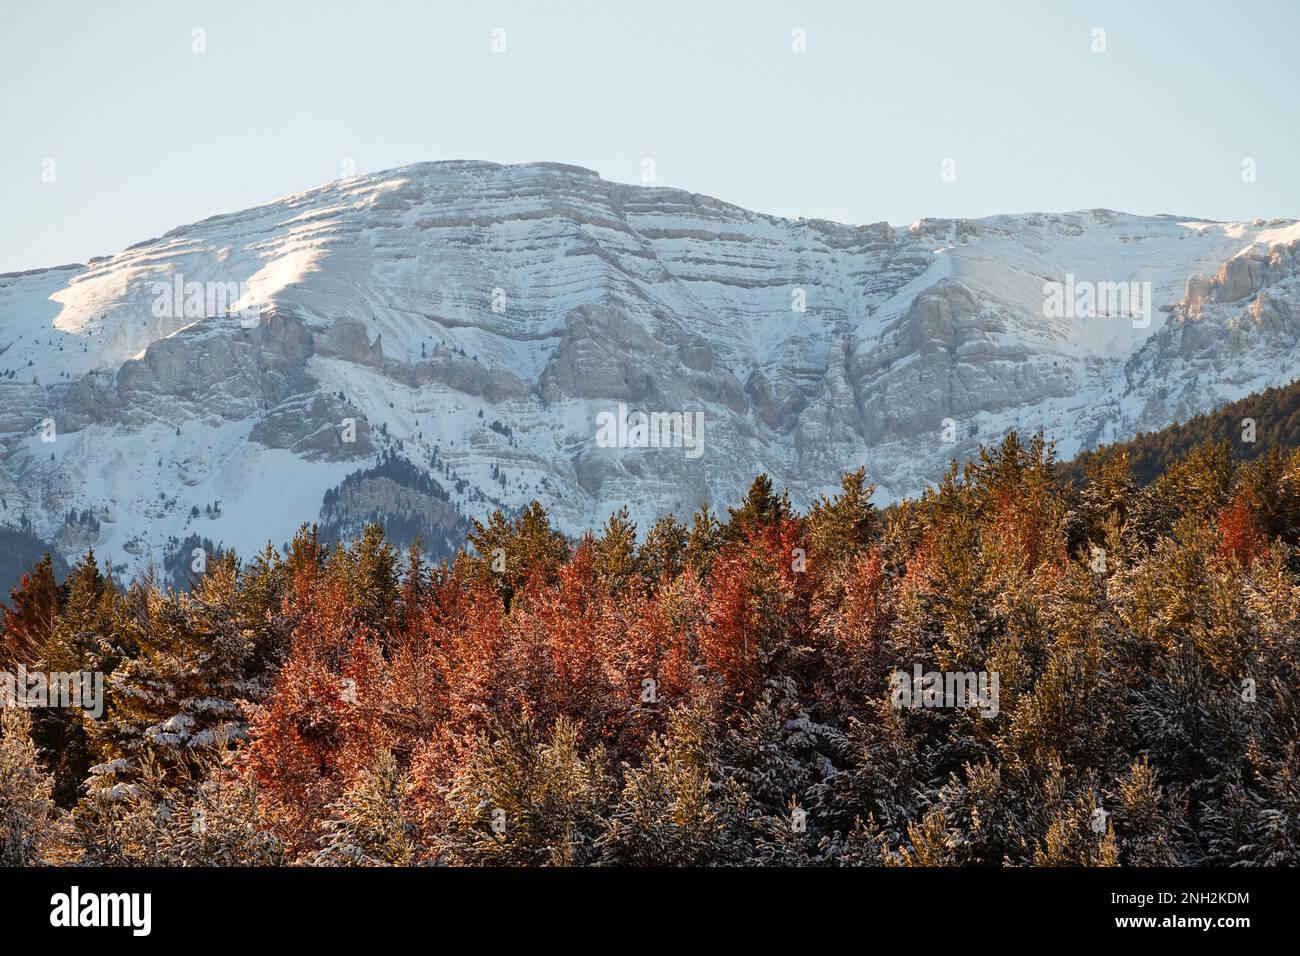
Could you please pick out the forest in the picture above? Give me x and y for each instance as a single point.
(1252, 426)
(714, 690)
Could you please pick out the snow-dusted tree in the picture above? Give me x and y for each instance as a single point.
(771, 752)
(1108, 494)
(979, 810)
(29, 820)
(217, 822)
(1146, 820)
(372, 824)
(1279, 811)
(930, 842)
(880, 777)
(178, 695)
(669, 813)
(782, 839)
(525, 800)
(89, 636)
(121, 824)
(1067, 824)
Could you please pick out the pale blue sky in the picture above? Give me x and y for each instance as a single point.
(146, 134)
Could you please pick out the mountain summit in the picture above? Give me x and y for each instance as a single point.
(426, 344)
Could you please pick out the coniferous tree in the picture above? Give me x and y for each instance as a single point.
(28, 817)
(527, 799)
(662, 556)
(614, 551)
(668, 814)
(89, 637)
(510, 550)
(845, 525)
(179, 695)
(27, 625)
(372, 824)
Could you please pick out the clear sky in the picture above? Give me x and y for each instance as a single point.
(146, 134)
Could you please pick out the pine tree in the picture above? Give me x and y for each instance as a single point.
(761, 508)
(855, 612)
(703, 541)
(121, 824)
(527, 800)
(1145, 821)
(845, 525)
(879, 776)
(667, 814)
(263, 584)
(217, 820)
(91, 635)
(663, 555)
(28, 817)
(29, 624)
(1065, 821)
(320, 725)
(1241, 534)
(929, 842)
(372, 823)
(614, 551)
(1108, 492)
(179, 695)
(369, 566)
(510, 550)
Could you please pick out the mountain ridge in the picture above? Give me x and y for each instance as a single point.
(427, 302)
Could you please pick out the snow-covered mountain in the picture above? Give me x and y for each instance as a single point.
(473, 321)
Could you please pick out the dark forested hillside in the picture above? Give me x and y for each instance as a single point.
(1012, 670)
(1275, 413)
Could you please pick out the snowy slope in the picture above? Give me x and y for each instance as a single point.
(474, 320)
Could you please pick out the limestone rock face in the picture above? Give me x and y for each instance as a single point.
(228, 372)
(1239, 277)
(316, 427)
(1243, 338)
(1199, 290)
(347, 339)
(602, 353)
(426, 344)
(462, 375)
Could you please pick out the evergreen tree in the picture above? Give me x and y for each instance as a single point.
(372, 823)
(668, 814)
(91, 635)
(615, 550)
(761, 508)
(217, 820)
(663, 555)
(1145, 821)
(27, 626)
(524, 799)
(28, 817)
(369, 568)
(180, 694)
(510, 550)
(703, 541)
(846, 524)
